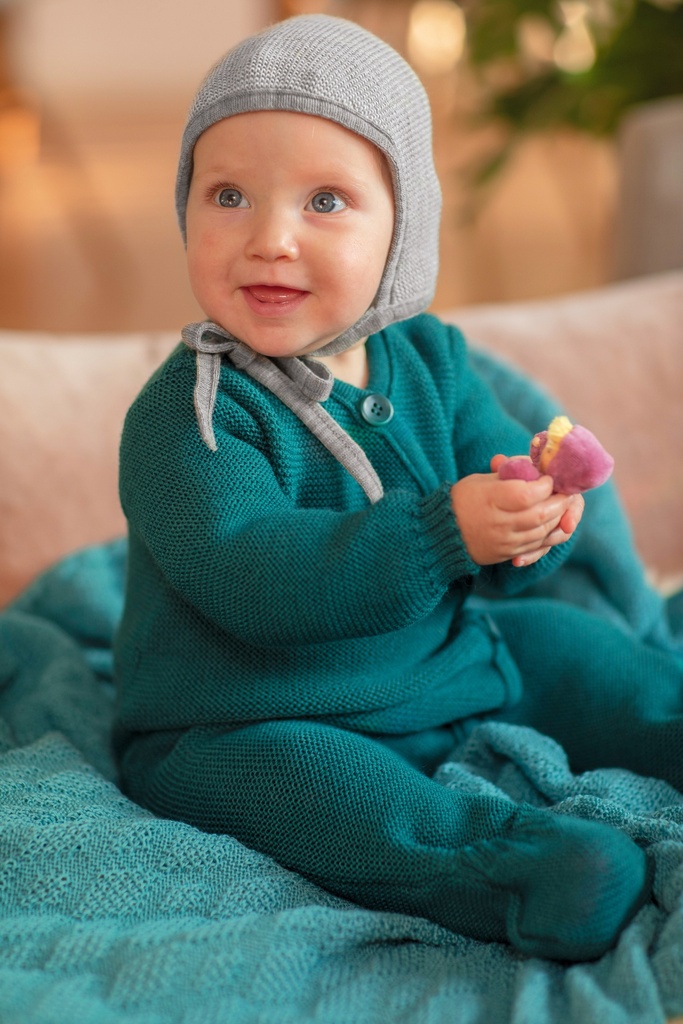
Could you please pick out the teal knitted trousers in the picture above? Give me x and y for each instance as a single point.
(609, 701)
(360, 815)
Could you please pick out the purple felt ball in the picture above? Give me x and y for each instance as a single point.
(519, 467)
(580, 463)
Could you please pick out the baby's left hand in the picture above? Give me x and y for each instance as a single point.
(565, 528)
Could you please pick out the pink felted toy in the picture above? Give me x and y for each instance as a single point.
(570, 454)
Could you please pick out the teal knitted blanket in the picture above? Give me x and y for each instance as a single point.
(109, 915)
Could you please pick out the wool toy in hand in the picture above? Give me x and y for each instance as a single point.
(570, 454)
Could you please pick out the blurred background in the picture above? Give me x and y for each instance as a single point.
(558, 142)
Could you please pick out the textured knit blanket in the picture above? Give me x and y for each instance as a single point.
(109, 915)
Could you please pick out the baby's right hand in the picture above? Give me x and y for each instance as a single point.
(503, 520)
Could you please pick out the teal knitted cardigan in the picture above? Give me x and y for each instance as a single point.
(261, 582)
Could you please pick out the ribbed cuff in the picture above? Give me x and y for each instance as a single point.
(450, 560)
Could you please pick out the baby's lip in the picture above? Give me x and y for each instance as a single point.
(273, 300)
(273, 292)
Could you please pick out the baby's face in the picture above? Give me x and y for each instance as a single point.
(289, 223)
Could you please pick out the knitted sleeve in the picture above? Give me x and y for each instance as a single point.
(229, 538)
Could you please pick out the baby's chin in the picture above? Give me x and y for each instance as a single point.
(280, 337)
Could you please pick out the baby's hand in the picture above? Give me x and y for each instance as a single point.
(512, 520)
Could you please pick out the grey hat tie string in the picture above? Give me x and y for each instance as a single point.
(301, 384)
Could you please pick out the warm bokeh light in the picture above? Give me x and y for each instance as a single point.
(19, 133)
(436, 35)
(574, 50)
(536, 38)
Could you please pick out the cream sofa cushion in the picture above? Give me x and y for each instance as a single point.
(62, 404)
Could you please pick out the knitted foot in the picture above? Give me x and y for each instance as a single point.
(566, 887)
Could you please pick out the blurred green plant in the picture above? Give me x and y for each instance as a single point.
(545, 64)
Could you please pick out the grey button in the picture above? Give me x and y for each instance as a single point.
(376, 410)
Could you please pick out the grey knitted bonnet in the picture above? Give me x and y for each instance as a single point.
(331, 68)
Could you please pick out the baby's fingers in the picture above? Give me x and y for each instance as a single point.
(534, 523)
(528, 559)
(559, 534)
(545, 531)
(496, 462)
(572, 517)
(525, 495)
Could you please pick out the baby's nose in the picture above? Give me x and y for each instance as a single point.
(273, 236)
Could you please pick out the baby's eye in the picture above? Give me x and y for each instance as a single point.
(230, 198)
(326, 202)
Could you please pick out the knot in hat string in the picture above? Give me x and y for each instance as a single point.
(301, 384)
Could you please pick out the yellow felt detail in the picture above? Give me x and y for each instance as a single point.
(558, 429)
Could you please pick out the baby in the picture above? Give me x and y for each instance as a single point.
(310, 486)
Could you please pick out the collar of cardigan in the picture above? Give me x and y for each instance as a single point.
(301, 384)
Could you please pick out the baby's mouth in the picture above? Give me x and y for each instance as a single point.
(272, 300)
(273, 293)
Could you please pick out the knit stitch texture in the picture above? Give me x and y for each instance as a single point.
(261, 585)
(273, 622)
(111, 915)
